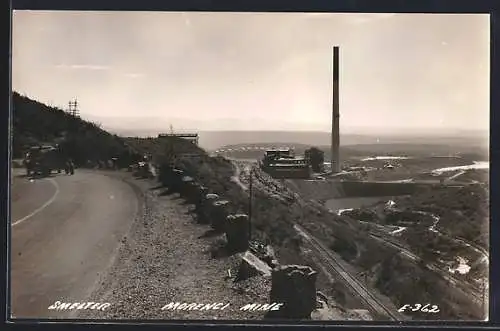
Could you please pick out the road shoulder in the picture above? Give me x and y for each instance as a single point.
(165, 258)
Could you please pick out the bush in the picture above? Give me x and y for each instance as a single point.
(345, 247)
(463, 212)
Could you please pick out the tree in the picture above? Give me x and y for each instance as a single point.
(316, 158)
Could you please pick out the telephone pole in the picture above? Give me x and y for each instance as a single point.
(250, 173)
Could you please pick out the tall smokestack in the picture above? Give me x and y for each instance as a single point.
(335, 159)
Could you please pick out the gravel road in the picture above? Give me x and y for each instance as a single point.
(166, 258)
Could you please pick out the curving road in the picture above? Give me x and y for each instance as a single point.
(65, 231)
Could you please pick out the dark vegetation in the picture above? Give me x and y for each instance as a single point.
(435, 247)
(399, 279)
(463, 211)
(345, 247)
(35, 123)
(381, 215)
(316, 157)
(362, 214)
(409, 283)
(405, 281)
(477, 175)
(355, 189)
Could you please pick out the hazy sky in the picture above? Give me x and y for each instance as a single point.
(257, 70)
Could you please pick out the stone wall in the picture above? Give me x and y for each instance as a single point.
(292, 285)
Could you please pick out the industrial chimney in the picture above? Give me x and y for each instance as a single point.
(335, 158)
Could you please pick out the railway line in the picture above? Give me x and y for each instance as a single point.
(465, 288)
(328, 259)
(334, 265)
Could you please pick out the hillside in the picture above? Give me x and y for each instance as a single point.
(215, 173)
(35, 123)
(463, 212)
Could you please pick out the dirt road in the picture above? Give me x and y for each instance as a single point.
(65, 231)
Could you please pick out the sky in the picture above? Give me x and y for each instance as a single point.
(257, 71)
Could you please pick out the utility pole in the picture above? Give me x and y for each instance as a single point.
(73, 108)
(250, 203)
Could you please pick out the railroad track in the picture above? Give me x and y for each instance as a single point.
(331, 261)
(261, 182)
(459, 284)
